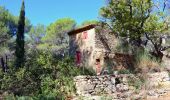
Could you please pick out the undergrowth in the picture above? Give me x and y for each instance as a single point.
(43, 77)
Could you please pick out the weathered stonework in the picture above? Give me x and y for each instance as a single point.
(158, 79)
(117, 87)
(97, 45)
(112, 85)
(166, 60)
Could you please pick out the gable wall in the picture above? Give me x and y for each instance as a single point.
(85, 46)
(104, 41)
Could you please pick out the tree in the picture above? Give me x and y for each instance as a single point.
(4, 29)
(88, 22)
(37, 33)
(134, 19)
(57, 31)
(157, 27)
(20, 52)
(127, 17)
(8, 26)
(56, 38)
(6, 21)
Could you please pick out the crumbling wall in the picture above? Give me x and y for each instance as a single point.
(105, 84)
(104, 40)
(120, 61)
(124, 61)
(117, 86)
(158, 79)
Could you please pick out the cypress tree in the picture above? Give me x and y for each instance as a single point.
(20, 51)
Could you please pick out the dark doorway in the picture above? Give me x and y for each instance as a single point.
(78, 57)
(98, 66)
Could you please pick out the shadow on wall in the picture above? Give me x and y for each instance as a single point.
(102, 41)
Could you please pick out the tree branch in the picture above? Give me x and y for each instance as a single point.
(165, 48)
(2, 40)
(105, 23)
(164, 5)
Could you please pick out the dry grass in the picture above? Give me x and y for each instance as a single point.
(145, 64)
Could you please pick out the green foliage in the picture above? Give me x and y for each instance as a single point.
(87, 71)
(37, 32)
(3, 50)
(9, 23)
(106, 97)
(57, 31)
(43, 77)
(134, 19)
(12, 97)
(123, 47)
(4, 14)
(20, 42)
(88, 22)
(136, 82)
(127, 16)
(56, 38)
(124, 71)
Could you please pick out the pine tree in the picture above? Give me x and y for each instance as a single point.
(20, 51)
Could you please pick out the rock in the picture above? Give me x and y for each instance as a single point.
(88, 87)
(166, 79)
(121, 87)
(167, 89)
(161, 91)
(112, 80)
(152, 93)
(156, 79)
(109, 89)
(107, 82)
(80, 77)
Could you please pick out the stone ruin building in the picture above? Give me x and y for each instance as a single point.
(93, 46)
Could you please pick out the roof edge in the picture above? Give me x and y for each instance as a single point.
(81, 29)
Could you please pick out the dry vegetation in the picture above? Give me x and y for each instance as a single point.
(145, 64)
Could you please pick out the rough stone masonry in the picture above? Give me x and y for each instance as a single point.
(115, 85)
(105, 84)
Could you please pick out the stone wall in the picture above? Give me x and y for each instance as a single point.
(158, 79)
(123, 61)
(104, 40)
(166, 60)
(93, 85)
(84, 46)
(116, 86)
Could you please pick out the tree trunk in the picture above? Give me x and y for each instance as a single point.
(6, 63)
(158, 55)
(3, 64)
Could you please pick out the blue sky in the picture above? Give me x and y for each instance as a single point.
(48, 11)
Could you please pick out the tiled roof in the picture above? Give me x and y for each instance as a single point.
(78, 30)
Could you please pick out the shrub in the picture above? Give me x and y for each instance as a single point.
(87, 71)
(43, 77)
(136, 82)
(122, 46)
(124, 71)
(144, 63)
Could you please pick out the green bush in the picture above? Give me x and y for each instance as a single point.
(136, 82)
(124, 71)
(43, 77)
(122, 46)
